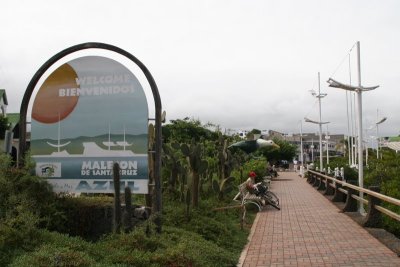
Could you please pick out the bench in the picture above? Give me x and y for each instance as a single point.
(245, 197)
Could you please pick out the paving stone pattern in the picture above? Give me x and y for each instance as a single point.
(310, 231)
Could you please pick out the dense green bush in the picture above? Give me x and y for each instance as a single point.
(286, 151)
(4, 125)
(350, 174)
(89, 217)
(258, 165)
(220, 227)
(37, 227)
(28, 206)
(26, 202)
(173, 247)
(385, 173)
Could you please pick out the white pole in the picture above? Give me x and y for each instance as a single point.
(355, 132)
(327, 137)
(366, 147)
(360, 135)
(352, 130)
(349, 132)
(353, 137)
(377, 135)
(366, 154)
(301, 143)
(327, 151)
(312, 150)
(320, 124)
(59, 132)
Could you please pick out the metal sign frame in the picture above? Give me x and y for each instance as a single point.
(157, 102)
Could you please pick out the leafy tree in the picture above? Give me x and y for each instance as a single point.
(184, 130)
(4, 125)
(286, 151)
(255, 131)
(250, 135)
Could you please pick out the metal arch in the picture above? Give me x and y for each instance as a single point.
(150, 79)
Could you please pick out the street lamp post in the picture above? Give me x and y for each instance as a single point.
(327, 137)
(377, 134)
(366, 146)
(319, 96)
(301, 144)
(320, 139)
(358, 89)
(312, 150)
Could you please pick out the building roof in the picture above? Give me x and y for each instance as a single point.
(393, 145)
(3, 95)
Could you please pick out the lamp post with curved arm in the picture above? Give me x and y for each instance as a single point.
(358, 89)
(319, 96)
(377, 135)
(320, 139)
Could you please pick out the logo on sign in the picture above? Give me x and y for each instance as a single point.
(49, 169)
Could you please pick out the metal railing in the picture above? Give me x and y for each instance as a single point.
(347, 192)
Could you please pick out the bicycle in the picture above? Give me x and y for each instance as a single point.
(265, 194)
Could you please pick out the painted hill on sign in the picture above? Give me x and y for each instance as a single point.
(135, 143)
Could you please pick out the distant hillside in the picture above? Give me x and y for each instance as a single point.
(394, 139)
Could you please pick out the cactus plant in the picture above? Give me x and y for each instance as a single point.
(172, 160)
(127, 217)
(223, 187)
(149, 197)
(222, 156)
(183, 177)
(197, 166)
(187, 200)
(225, 160)
(117, 200)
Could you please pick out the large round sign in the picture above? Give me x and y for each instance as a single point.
(89, 113)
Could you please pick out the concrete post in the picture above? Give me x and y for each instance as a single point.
(374, 217)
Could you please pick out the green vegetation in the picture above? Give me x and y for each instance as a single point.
(384, 173)
(4, 125)
(199, 174)
(286, 152)
(29, 209)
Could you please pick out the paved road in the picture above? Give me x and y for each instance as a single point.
(310, 231)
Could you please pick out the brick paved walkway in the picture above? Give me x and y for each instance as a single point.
(310, 231)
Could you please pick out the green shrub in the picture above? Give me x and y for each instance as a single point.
(259, 166)
(26, 202)
(87, 217)
(220, 227)
(49, 255)
(350, 174)
(4, 125)
(192, 250)
(18, 233)
(28, 207)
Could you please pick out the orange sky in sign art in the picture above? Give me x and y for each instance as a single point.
(48, 105)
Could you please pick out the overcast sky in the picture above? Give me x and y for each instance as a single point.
(239, 64)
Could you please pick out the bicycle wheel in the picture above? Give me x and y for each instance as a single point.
(272, 200)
